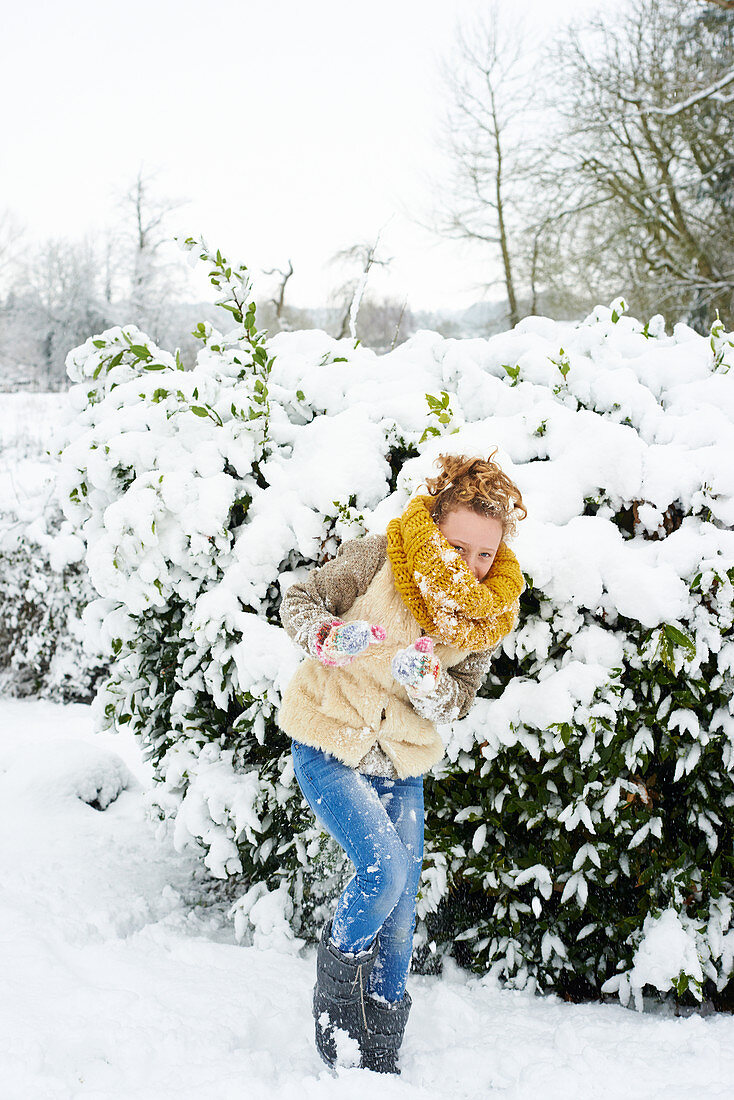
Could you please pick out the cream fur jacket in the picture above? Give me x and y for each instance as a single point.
(359, 712)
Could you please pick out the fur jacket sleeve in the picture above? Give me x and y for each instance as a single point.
(330, 590)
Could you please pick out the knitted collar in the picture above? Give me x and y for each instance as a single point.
(441, 591)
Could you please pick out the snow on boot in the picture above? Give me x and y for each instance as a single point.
(385, 1029)
(339, 996)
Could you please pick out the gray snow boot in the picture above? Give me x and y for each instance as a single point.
(384, 1036)
(339, 995)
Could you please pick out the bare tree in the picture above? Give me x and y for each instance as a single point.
(639, 189)
(493, 104)
(364, 257)
(279, 300)
(54, 304)
(11, 238)
(154, 280)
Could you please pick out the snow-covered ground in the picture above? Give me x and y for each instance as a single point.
(115, 983)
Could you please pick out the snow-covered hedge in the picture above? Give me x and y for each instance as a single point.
(584, 813)
(42, 596)
(44, 583)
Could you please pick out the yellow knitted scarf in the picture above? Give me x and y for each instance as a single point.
(441, 591)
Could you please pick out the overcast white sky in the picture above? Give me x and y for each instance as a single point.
(294, 128)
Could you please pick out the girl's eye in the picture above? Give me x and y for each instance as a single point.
(485, 553)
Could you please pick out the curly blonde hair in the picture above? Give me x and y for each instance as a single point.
(478, 484)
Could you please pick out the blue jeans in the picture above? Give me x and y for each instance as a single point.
(379, 824)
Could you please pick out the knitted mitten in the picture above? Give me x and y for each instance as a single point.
(337, 643)
(416, 668)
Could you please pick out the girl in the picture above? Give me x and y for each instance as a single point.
(399, 629)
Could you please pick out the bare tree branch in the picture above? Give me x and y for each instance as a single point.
(353, 291)
(706, 93)
(279, 300)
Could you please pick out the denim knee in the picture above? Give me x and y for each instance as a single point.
(402, 919)
(401, 930)
(386, 877)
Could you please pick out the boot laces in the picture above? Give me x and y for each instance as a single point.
(361, 993)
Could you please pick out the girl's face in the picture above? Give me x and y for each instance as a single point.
(476, 538)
